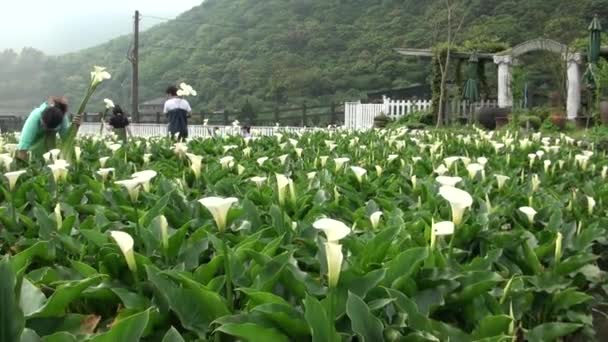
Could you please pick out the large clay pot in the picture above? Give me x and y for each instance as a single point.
(558, 120)
(604, 112)
(502, 121)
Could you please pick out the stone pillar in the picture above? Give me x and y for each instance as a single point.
(573, 62)
(505, 95)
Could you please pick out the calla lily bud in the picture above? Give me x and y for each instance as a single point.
(58, 218)
(558, 247)
(282, 184)
(590, 204)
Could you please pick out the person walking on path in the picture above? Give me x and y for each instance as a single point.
(177, 110)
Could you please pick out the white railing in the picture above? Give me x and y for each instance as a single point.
(159, 130)
(360, 116)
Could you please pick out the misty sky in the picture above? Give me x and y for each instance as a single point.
(59, 26)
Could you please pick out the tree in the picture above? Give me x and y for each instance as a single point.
(455, 16)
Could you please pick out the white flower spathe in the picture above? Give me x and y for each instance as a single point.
(448, 181)
(145, 177)
(374, 218)
(196, 163)
(459, 201)
(340, 162)
(109, 103)
(259, 181)
(334, 230)
(333, 253)
(98, 75)
(529, 212)
(12, 178)
(261, 160)
(132, 186)
(282, 184)
(501, 180)
(227, 162)
(359, 173)
(104, 173)
(125, 243)
(102, 161)
(219, 207)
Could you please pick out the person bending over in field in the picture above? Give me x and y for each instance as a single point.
(120, 123)
(40, 129)
(177, 110)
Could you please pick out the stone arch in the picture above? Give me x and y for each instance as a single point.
(573, 60)
(538, 44)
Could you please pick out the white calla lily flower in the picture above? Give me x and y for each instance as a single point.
(98, 75)
(448, 181)
(104, 173)
(77, 153)
(283, 158)
(501, 180)
(145, 177)
(340, 162)
(282, 185)
(227, 162)
(59, 170)
(333, 253)
(109, 103)
(374, 218)
(58, 217)
(529, 212)
(441, 229)
(441, 170)
(334, 230)
(590, 204)
(359, 173)
(103, 161)
(459, 201)
(474, 169)
(125, 243)
(132, 186)
(379, 170)
(261, 160)
(259, 181)
(196, 163)
(219, 207)
(323, 160)
(12, 178)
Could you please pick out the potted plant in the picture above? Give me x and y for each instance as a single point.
(558, 117)
(602, 92)
(381, 120)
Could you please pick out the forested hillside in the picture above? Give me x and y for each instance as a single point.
(288, 51)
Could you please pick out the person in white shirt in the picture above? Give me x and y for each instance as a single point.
(177, 110)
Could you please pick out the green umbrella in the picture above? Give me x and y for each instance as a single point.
(593, 51)
(471, 90)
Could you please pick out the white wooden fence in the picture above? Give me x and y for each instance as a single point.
(158, 130)
(360, 116)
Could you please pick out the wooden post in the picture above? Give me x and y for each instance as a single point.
(226, 119)
(276, 115)
(332, 108)
(157, 117)
(85, 117)
(304, 118)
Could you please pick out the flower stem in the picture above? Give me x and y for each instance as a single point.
(137, 228)
(228, 275)
(331, 298)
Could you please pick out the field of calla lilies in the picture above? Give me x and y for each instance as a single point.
(329, 235)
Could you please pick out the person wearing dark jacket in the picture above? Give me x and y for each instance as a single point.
(120, 123)
(177, 110)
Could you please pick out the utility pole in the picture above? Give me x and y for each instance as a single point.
(134, 58)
